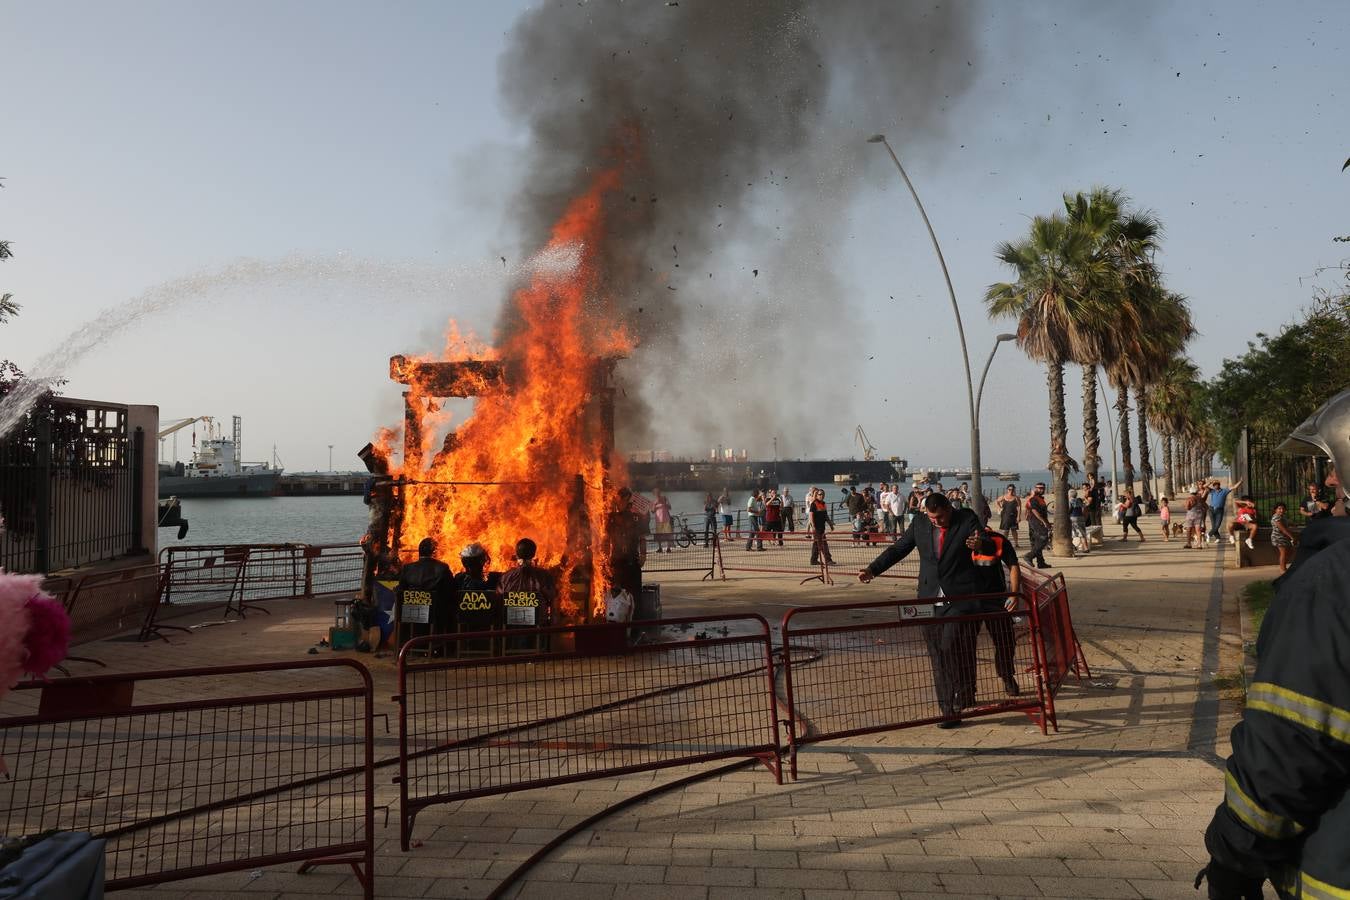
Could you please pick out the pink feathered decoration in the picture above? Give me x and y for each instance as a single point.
(15, 591)
(48, 634)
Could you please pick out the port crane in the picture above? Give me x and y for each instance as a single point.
(869, 452)
(174, 428)
(181, 423)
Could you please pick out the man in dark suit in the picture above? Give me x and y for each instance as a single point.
(422, 598)
(945, 538)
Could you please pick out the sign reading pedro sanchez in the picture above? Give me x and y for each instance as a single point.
(416, 607)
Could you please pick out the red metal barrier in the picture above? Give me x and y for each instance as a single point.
(239, 576)
(798, 553)
(685, 551)
(1057, 643)
(591, 707)
(277, 769)
(880, 673)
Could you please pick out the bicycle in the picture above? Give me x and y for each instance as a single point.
(685, 536)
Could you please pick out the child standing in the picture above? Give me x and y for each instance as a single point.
(1281, 536)
(1165, 517)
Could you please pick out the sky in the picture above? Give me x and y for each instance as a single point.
(297, 191)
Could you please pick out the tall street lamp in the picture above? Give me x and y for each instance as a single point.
(1111, 429)
(980, 504)
(979, 393)
(330, 457)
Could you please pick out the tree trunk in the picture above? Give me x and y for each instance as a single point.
(1123, 429)
(1092, 437)
(1145, 460)
(1169, 484)
(1060, 542)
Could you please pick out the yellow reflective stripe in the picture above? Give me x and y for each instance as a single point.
(1254, 816)
(1315, 714)
(1304, 885)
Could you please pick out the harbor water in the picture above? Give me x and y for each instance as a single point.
(342, 520)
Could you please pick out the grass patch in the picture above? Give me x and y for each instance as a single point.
(1257, 596)
(1228, 682)
(1231, 687)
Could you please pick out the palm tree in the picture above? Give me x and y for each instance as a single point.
(1168, 327)
(1054, 302)
(1124, 243)
(1169, 406)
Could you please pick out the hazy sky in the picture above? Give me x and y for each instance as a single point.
(356, 158)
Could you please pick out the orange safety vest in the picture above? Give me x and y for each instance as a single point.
(989, 559)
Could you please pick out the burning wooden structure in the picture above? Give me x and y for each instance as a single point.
(535, 457)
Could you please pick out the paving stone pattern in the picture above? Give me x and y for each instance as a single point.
(1114, 805)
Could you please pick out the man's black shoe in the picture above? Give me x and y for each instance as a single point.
(949, 723)
(1011, 688)
(1044, 566)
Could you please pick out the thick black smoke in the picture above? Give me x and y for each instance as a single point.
(745, 120)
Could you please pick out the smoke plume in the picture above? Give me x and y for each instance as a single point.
(740, 124)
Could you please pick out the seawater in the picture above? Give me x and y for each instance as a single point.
(342, 520)
(271, 520)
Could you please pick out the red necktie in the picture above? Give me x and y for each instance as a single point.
(942, 538)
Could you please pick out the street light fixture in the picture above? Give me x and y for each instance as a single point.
(980, 504)
(979, 394)
(1111, 429)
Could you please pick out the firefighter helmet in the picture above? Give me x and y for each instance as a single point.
(1325, 433)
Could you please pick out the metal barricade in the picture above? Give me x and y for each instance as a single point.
(590, 707)
(1058, 643)
(333, 569)
(881, 670)
(683, 551)
(103, 604)
(238, 576)
(800, 553)
(198, 771)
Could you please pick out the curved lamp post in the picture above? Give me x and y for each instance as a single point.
(976, 485)
(1111, 429)
(979, 394)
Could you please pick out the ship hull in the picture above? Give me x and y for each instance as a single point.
(262, 484)
(710, 476)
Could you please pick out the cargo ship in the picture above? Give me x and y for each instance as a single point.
(741, 474)
(217, 471)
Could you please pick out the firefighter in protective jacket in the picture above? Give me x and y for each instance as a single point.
(1286, 810)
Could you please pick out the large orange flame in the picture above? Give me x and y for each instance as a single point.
(511, 469)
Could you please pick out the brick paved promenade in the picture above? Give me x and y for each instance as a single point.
(1114, 805)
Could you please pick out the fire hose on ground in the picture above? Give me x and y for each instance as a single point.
(488, 737)
(643, 796)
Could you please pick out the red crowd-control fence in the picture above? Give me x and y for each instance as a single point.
(198, 771)
(594, 704)
(240, 576)
(902, 663)
(1048, 598)
(802, 553)
(684, 550)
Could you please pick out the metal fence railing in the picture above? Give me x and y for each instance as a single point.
(1060, 651)
(683, 551)
(801, 553)
(591, 706)
(240, 576)
(70, 479)
(198, 771)
(103, 604)
(1271, 477)
(904, 665)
